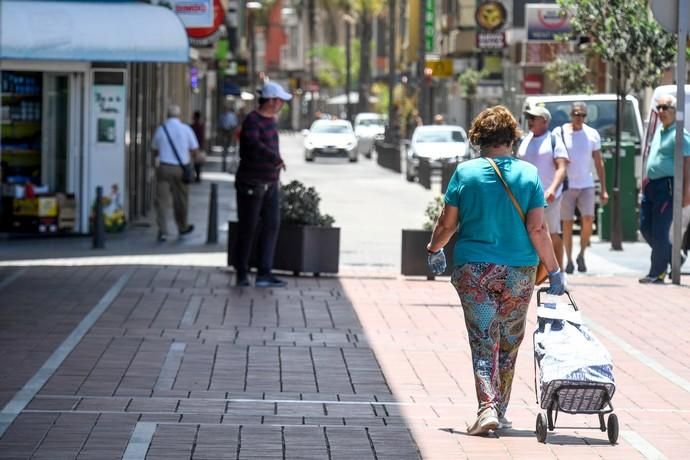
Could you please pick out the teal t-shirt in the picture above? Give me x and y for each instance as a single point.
(490, 228)
(662, 151)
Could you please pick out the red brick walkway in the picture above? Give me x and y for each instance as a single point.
(183, 365)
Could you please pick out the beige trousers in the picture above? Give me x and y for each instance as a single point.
(169, 182)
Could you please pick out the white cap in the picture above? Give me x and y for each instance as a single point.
(274, 90)
(539, 111)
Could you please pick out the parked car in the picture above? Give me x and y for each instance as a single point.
(436, 143)
(369, 127)
(330, 138)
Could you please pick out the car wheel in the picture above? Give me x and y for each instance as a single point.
(354, 158)
(308, 157)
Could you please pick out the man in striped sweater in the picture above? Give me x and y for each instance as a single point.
(257, 185)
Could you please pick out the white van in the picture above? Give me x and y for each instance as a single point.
(601, 115)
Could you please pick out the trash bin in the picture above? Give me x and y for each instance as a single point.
(628, 192)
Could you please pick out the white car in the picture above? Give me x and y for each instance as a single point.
(437, 144)
(369, 127)
(330, 138)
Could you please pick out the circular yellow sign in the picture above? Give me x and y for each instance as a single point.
(490, 15)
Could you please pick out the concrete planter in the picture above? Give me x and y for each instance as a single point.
(300, 249)
(388, 156)
(413, 261)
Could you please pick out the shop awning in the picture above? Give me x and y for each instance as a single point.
(89, 31)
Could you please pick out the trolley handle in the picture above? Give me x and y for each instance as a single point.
(567, 292)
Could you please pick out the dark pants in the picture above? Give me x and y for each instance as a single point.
(257, 211)
(656, 215)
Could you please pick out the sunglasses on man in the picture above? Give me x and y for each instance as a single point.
(664, 107)
(579, 114)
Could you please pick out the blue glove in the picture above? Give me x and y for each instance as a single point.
(556, 283)
(436, 261)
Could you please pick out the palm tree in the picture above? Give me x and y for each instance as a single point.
(366, 11)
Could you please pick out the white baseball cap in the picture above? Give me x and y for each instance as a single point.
(274, 90)
(539, 111)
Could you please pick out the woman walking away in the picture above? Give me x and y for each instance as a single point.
(496, 255)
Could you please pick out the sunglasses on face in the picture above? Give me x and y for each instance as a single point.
(664, 107)
(579, 114)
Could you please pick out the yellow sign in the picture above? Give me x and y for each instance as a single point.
(490, 15)
(443, 68)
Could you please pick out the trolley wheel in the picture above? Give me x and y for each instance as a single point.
(612, 428)
(541, 427)
(549, 417)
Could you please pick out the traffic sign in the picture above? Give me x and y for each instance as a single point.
(666, 14)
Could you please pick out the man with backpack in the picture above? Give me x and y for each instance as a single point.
(545, 151)
(584, 149)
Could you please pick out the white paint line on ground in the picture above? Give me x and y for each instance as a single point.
(12, 277)
(642, 445)
(140, 441)
(192, 311)
(640, 356)
(171, 365)
(33, 386)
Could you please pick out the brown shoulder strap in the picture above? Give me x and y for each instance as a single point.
(505, 186)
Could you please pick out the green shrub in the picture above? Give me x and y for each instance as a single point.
(433, 210)
(300, 205)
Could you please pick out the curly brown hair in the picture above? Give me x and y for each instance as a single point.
(494, 127)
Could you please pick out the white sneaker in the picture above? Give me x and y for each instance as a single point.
(486, 421)
(504, 423)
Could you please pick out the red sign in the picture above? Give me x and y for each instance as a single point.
(205, 32)
(533, 83)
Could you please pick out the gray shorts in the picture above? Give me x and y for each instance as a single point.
(552, 215)
(583, 198)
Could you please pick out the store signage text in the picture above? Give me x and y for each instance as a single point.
(194, 13)
(491, 40)
(429, 25)
(546, 22)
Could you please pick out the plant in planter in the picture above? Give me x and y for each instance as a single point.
(413, 262)
(307, 241)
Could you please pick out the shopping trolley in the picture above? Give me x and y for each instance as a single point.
(576, 373)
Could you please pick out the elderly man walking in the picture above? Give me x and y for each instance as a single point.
(656, 209)
(547, 152)
(175, 145)
(584, 150)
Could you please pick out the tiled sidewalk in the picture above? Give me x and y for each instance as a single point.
(182, 365)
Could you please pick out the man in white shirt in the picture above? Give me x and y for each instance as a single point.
(547, 152)
(584, 149)
(175, 144)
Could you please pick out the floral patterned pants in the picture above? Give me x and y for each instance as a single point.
(494, 299)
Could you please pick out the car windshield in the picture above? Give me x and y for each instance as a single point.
(601, 115)
(440, 136)
(330, 128)
(370, 122)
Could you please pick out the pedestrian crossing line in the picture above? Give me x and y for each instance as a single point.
(139, 442)
(171, 365)
(20, 400)
(639, 355)
(7, 281)
(642, 445)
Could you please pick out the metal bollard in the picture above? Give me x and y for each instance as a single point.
(212, 234)
(224, 164)
(98, 223)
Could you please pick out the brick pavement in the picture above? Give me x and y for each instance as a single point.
(360, 366)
